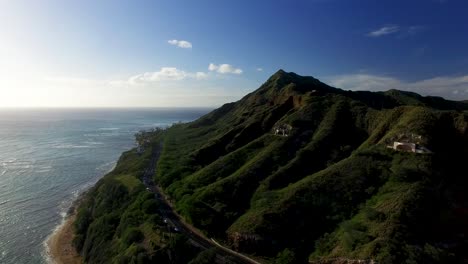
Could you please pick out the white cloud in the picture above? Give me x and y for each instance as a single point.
(180, 43)
(259, 69)
(212, 67)
(364, 82)
(167, 87)
(165, 74)
(201, 75)
(446, 86)
(224, 68)
(386, 30)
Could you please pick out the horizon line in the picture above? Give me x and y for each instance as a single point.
(104, 107)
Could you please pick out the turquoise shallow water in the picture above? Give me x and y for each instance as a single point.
(48, 156)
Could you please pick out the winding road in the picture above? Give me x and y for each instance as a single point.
(177, 224)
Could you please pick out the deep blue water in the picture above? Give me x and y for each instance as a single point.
(48, 156)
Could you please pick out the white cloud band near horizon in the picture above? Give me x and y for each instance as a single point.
(449, 87)
(166, 87)
(166, 74)
(180, 43)
(224, 69)
(171, 87)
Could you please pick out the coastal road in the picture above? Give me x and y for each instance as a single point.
(176, 223)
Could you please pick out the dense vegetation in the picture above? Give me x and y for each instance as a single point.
(331, 189)
(118, 220)
(325, 189)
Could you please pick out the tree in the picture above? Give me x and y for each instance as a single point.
(287, 256)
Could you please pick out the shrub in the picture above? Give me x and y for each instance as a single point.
(150, 206)
(132, 235)
(287, 256)
(205, 257)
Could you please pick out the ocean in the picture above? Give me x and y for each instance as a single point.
(49, 156)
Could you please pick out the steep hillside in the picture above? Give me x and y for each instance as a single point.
(300, 171)
(120, 221)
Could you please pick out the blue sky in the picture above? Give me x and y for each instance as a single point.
(206, 53)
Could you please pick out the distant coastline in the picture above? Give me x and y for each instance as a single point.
(49, 157)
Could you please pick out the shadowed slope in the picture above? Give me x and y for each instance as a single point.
(328, 186)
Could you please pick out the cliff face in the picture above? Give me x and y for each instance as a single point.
(303, 166)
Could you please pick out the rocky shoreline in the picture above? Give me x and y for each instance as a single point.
(60, 248)
(59, 245)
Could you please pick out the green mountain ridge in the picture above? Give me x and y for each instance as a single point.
(313, 191)
(297, 172)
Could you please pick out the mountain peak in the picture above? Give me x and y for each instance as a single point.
(283, 77)
(282, 74)
(280, 71)
(294, 82)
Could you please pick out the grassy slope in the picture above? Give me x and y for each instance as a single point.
(118, 219)
(331, 189)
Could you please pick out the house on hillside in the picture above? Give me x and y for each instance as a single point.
(404, 146)
(283, 130)
(408, 142)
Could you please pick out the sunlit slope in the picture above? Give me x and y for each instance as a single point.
(302, 166)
